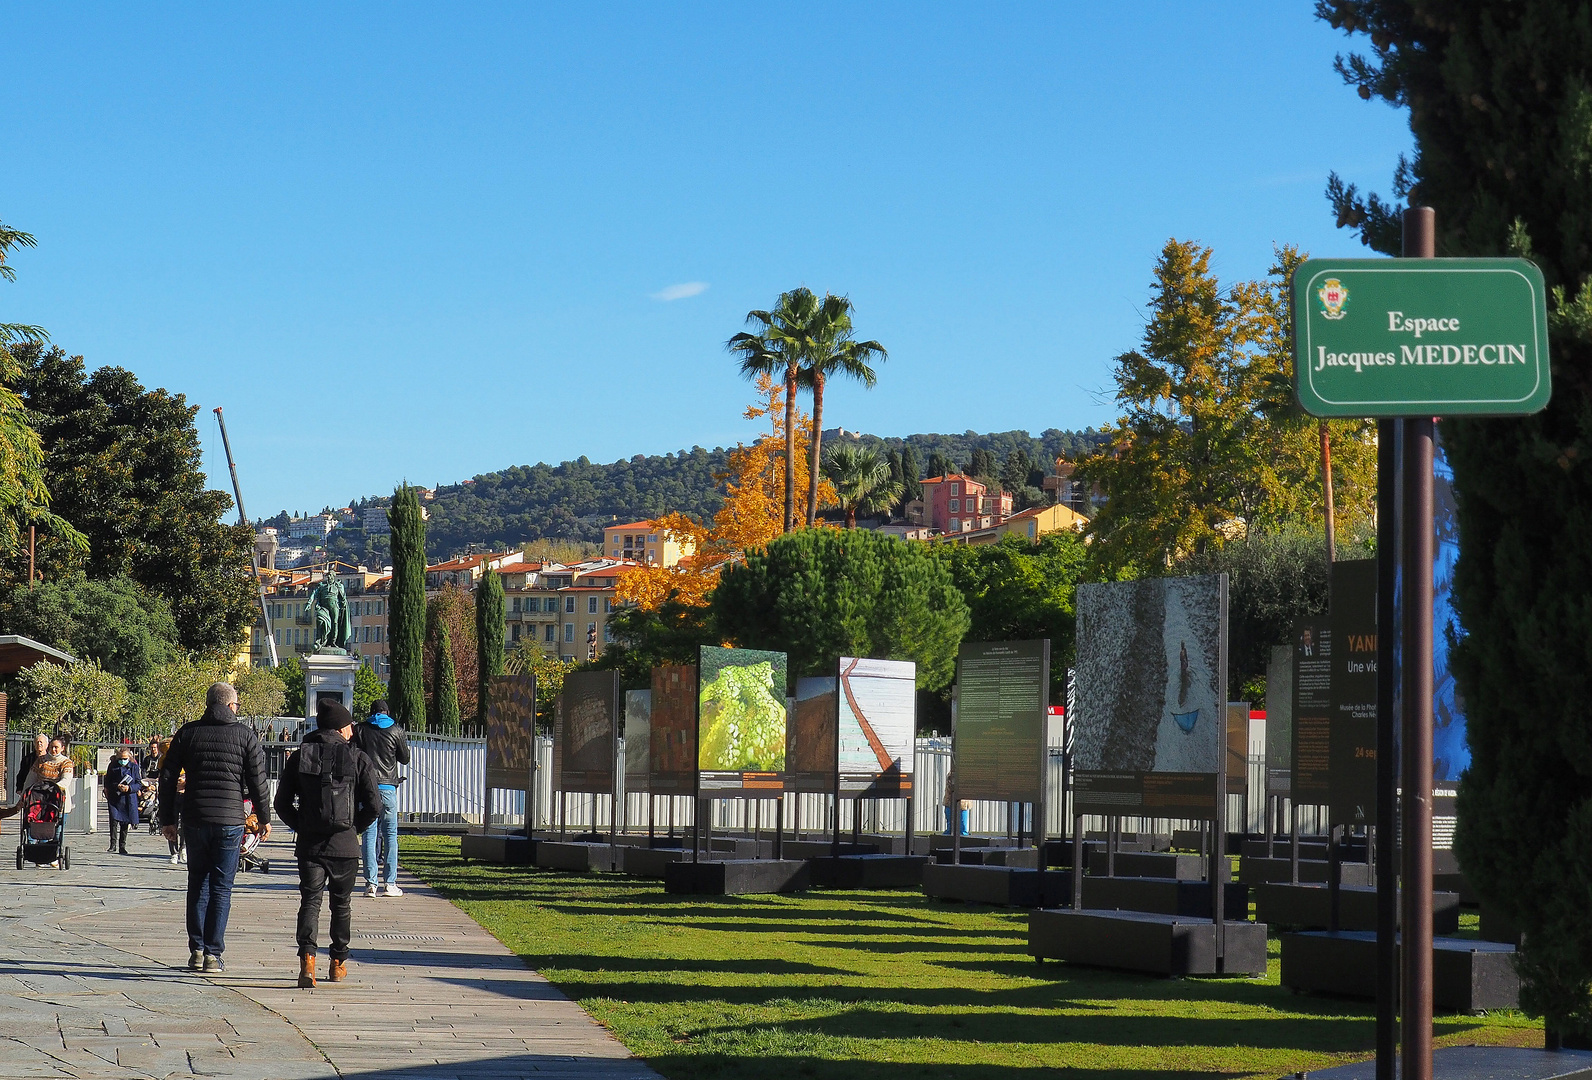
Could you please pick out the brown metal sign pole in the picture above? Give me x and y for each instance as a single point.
(1387, 874)
(1416, 765)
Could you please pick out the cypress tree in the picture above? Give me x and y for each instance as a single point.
(911, 474)
(938, 465)
(445, 684)
(488, 638)
(406, 609)
(1499, 94)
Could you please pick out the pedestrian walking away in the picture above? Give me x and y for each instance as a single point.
(124, 780)
(224, 764)
(327, 794)
(382, 738)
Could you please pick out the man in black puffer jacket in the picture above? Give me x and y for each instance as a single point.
(327, 795)
(225, 764)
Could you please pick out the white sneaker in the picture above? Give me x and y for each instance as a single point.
(391, 890)
(174, 859)
(372, 890)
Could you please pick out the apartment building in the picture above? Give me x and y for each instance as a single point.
(643, 542)
(957, 503)
(562, 608)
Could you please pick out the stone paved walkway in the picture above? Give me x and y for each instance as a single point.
(92, 985)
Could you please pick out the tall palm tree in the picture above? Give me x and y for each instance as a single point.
(831, 349)
(862, 481)
(778, 349)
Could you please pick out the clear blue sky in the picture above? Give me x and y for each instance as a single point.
(452, 233)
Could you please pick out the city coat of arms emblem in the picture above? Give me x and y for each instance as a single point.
(1334, 297)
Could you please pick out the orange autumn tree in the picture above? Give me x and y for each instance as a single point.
(752, 514)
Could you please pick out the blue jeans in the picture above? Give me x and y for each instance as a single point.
(385, 834)
(212, 864)
(948, 819)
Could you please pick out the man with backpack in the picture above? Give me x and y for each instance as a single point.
(384, 740)
(327, 794)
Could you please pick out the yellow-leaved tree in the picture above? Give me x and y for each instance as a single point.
(752, 514)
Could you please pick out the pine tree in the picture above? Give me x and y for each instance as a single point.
(1499, 94)
(488, 638)
(445, 697)
(406, 620)
(1014, 474)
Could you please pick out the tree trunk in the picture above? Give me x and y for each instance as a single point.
(851, 517)
(1326, 489)
(790, 448)
(818, 438)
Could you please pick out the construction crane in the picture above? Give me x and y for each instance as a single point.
(243, 519)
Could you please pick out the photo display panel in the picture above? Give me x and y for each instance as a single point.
(810, 761)
(1279, 720)
(741, 715)
(510, 725)
(1312, 712)
(671, 760)
(1352, 748)
(589, 731)
(638, 739)
(878, 726)
(1237, 747)
(1151, 723)
(998, 736)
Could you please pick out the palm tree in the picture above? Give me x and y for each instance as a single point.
(777, 349)
(832, 350)
(862, 481)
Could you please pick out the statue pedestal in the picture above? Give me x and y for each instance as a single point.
(328, 675)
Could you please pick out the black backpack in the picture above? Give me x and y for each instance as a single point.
(326, 786)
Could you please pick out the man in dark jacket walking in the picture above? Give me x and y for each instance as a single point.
(383, 739)
(225, 764)
(327, 795)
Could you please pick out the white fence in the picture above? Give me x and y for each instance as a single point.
(445, 778)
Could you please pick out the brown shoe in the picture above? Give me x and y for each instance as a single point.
(307, 972)
(339, 970)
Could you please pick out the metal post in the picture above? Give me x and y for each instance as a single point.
(31, 532)
(243, 519)
(1416, 765)
(1420, 229)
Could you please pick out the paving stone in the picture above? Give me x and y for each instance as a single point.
(96, 988)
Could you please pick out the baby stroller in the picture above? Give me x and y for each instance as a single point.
(251, 840)
(148, 799)
(44, 827)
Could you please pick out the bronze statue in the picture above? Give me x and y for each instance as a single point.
(334, 628)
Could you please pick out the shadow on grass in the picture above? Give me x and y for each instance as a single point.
(783, 1067)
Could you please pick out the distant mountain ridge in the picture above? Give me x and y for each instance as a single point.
(575, 500)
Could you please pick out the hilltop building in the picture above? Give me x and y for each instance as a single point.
(956, 503)
(643, 542)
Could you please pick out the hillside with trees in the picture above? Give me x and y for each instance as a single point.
(574, 500)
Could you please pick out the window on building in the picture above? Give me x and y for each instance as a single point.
(514, 632)
(956, 505)
(591, 605)
(608, 634)
(378, 634)
(653, 539)
(569, 631)
(956, 489)
(515, 606)
(569, 605)
(550, 631)
(608, 605)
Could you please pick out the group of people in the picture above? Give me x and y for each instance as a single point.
(338, 792)
(47, 763)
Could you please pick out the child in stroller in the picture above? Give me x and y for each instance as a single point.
(43, 843)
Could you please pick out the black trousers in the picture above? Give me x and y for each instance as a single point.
(320, 874)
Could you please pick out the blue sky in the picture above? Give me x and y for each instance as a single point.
(472, 236)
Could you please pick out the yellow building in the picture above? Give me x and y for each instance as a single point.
(643, 542)
(1029, 524)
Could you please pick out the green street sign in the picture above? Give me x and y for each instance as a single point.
(1420, 337)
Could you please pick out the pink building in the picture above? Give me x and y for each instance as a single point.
(958, 503)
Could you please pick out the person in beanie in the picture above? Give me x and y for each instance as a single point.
(384, 740)
(225, 764)
(327, 794)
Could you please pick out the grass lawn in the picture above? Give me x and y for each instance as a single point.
(885, 985)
